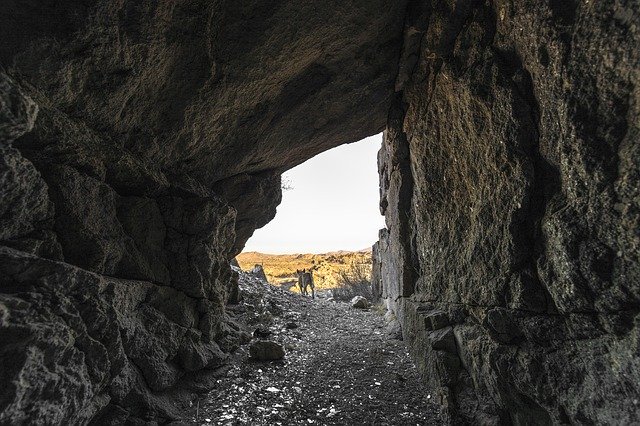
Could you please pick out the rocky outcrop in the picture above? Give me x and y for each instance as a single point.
(509, 173)
(258, 272)
(141, 144)
(78, 341)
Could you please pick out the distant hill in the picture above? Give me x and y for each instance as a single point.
(281, 268)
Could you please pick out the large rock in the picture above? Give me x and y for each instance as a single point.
(360, 302)
(509, 178)
(75, 344)
(258, 272)
(266, 350)
(25, 202)
(162, 129)
(18, 112)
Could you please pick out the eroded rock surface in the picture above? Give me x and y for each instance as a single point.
(141, 144)
(509, 178)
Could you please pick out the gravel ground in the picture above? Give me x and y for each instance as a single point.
(340, 368)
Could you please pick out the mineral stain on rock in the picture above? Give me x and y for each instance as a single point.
(142, 143)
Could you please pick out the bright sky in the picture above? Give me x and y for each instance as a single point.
(333, 204)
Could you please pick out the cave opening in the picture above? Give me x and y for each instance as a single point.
(327, 221)
(337, 340)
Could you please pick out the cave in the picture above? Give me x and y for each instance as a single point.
(142, 143)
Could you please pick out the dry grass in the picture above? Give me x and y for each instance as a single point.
(354, 281)
(327, 268)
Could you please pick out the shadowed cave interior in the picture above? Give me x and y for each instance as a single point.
(142, 143)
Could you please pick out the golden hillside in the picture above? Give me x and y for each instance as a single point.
(281, 268)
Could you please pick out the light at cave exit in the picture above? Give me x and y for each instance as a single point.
(332, 205)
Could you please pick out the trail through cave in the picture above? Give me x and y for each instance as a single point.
(143, 142)
(342, 367)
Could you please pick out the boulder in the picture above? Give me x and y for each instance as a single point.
(258, 272)
(360, 302)
(291, 325)
(261, 332)
(266, 350)
(393, 330)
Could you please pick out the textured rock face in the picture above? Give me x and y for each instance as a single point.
(141, 144)
(509, 173)
(81, 336)
(265, 350)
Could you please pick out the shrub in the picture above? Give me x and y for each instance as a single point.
(354, 281)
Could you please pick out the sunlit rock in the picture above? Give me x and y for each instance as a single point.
(360, 302)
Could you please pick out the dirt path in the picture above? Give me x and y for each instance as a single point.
(340, 369)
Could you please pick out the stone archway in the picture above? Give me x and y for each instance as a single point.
(154, 149)
(143, 143)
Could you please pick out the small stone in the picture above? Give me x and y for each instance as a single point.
(266, 350)
(291, 325)
(261, 332)
(394, 330)
(359, 302)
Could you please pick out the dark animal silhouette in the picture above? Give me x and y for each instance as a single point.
(305, 280)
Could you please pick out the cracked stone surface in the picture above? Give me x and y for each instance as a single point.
(142, 142)
(509, 182)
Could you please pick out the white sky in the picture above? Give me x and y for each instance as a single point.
(333, 204)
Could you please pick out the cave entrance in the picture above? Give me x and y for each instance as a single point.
(348, 356)
(327, 221)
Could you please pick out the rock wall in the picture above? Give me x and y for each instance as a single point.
(509, 175)
(141, 144)
(109, 301)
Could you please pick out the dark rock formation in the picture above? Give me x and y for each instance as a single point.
(258, 272)
(141, 144)
(266, 350)
(510, 186)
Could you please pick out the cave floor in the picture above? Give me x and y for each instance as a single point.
(340, 368)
